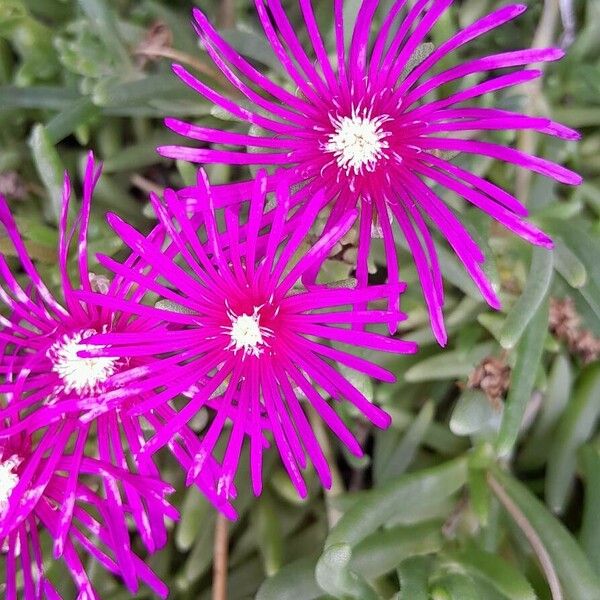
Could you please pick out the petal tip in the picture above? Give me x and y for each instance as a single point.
(179, 70)
(164, 151)
(575, 179)
(170, 122)
(112, 219)
(385, 421)
(494, 302)
(198, 14)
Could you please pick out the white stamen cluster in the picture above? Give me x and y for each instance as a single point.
(8, 479)
(246, 333)
(358, 142)
(80, 375)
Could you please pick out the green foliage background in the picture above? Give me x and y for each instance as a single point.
(462, 498)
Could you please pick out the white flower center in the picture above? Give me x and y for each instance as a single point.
(8, 479)
(80, 375)
(246, 333)
(358, 142)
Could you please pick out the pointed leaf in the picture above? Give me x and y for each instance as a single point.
(474, 414)
(194, 513)
(575, 428)
(452, 364)
(455, 586)
(568, 265)
(556, 398)
(529, 354)
(335, 577)
(399, 460)
(379, 505)
(42, 96)
(413, 575)
(536, 288)
(103, 19)
(74, 115)
(269, 533)
(295, 580)
(577, 578)
(50, 169)
(503, 576)
(383, 551)
(589, 535)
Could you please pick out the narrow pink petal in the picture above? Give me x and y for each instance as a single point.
(330, 380)
(359, 44)
(90, 180)
(549, 128)
(495, 193)
(290, 429)
(354, 362)
(26, 564)
(510, 155)
(254, 420)
(426, 278)
(487, 87)
(457, 236)
(11, 568)
(364, 338)
(257, 206)
(331, 418)
(115, 513)
(170, 429)
(246, 68)
(318, 251)
(218, 136)
(432, 258)
(340, 43)
(10, 226)
(66, 515)
(417, 36)
(502, 215)
(328, 297)
(208, 155)
(234, 446)
(291, 39)
(276, 108)
(391, 53)
(307, 82)
(473, 31)
(393, 275)
(498, 124)
(496, 61)
(139, 309)
(307, 435)
(288, 457)
(230, 105)
(382, 37)
(318, 45)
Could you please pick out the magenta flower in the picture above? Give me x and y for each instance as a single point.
(47, 380)
(251, 346)
(365, 129)
(39, 496)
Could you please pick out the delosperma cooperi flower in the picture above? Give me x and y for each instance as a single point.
(49, 490)
(46, 379)
(365, 129)
(254, 348)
